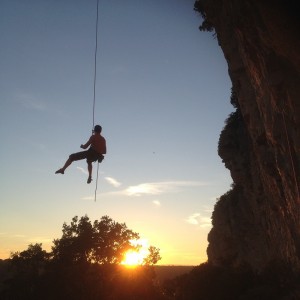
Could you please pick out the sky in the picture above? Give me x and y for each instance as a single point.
(162, 96)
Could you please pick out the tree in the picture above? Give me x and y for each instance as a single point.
(85, 263)
(25, 273)
(32, 259)
(76, 242)
(103, 242)
(113, 240)
(206, 25)
(153, 257)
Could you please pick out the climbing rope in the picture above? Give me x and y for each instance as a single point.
(95, 79)
(96, 182)
(95, 64)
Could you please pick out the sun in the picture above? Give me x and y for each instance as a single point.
(135, 258)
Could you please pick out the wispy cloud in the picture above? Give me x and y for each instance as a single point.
(113, 181)
(158, 188)
(150, 188)
(82, 170)
(19, 235)
(197, 219)
(193, 219)
(156, 203)
(31, 102)
(144, 188)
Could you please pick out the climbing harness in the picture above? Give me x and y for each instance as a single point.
(95, 79)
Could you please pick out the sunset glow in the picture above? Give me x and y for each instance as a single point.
(135, 258)
(162, 189)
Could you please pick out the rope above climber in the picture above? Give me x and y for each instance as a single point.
(96, 142)
(95, 152)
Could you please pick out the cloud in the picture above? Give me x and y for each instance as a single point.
(150, 188)
(19, 235)
(113, 181)
(144, 188)
(30, 102)
(158, 188)
(205, 222)
(193, 219)
(84, 171)
(197, 219)
(156, 203)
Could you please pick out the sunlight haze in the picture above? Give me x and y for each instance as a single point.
(162, 96)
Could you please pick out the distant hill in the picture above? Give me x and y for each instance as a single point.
(170, 272)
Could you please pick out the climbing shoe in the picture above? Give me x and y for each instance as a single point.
(60, 171)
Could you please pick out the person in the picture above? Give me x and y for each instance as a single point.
(95, 152)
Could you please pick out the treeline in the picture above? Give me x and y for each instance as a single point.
(85, 264)
(94, 282)
(77, 281)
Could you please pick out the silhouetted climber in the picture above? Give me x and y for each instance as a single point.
(97, 148)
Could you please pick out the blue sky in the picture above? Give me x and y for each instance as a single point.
(162, 95)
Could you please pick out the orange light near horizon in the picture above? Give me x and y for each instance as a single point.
(135, 258)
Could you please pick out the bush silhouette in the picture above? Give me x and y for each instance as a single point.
(84, 264)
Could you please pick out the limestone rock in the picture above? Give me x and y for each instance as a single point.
(258, 221)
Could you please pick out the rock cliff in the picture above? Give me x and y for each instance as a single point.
(258, 220)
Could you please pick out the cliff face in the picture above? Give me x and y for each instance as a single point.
(258, 221)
